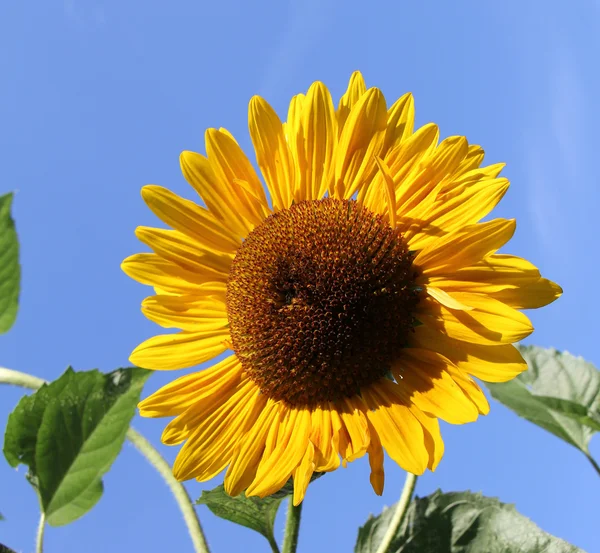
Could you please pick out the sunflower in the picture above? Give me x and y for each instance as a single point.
(354, 302)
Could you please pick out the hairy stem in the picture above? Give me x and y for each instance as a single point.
(292, 528)
(17, 378)
(399, 513)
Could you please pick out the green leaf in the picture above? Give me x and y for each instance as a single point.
(69, 432)
(4, 549)
(251, 512)
(559, 392)
(10, 271)
(460, 522)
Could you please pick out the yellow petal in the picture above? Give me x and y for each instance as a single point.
(447, 157)
(400, 432)
(221, 198)
(405, 159)
(389, 190)
(317, 142)
(423, 376)
(185, 424)
(186, 312)
(209, 448)
(497, 363)
(217, 290)
(530, 296)
(472, 160)
(223, 130)
(292, 129)
(460, 179)
(326, 456)
(272, 152)
(179, 351)
(303, 474)
(446, 299)
(185, 252)
(190, 219)
(400, 121)
(519, 326)
(356, 88)
(253, 198)
(464, 247)
(248, 451)
(153, 270)
(356, 426)
(340, 438)
(229, 163)
(450, 214)
(495, 273)
(471, 390)
(275, 470)
(276, 431)
(375, 451)
(491, 322)
(174, 398)
(432, 435)
(431, 171)
(360, 141)
(294, 118)
(403, 162)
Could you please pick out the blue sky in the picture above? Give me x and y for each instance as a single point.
(99, 97)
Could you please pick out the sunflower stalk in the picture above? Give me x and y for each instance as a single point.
(39, 537)
(24, 380)
(399, 513)
(292, 528)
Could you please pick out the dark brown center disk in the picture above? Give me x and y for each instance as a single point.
(320, 300)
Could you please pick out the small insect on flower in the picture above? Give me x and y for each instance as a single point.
(358, 294)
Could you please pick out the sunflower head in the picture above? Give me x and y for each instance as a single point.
(355, 295)
(320, 300)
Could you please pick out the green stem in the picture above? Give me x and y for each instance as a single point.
(594, 464)
(9, 376)
(177, 489)
(399, 513)
(273, 544)
(39, 538)
(292, 528)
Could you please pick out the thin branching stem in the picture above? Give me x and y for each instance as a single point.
(399, 513)
(594, 464)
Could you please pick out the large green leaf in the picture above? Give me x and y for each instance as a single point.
(559, 392)
(4, 549)
(251, 512)
(460, 522)
(10, 271)
(69, 432)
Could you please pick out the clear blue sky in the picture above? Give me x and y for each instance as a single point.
(98, 97)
